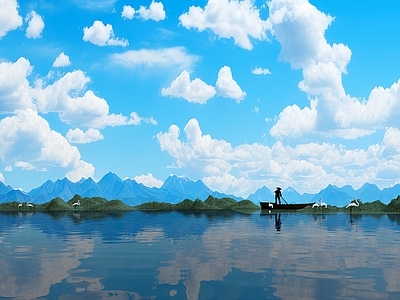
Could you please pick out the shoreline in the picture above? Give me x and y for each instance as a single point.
(79, 204)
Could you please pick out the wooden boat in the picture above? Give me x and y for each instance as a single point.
(273, 206)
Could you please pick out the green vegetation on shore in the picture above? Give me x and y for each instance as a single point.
(211, 203)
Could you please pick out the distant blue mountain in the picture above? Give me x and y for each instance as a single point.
(4, 188)
(290, 195)
(370, 192)
(178, 188)
(333, 195)
(390, 193)
(174, 190)
(262, 194)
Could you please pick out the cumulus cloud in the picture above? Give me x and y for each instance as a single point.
(148, 180)
(196, 91)
(102, 35)
(61, 61)
(260, 71)
(29, 143)
(128, 12)
(174, 57)
(35, 25)
(293, 121)
(227, 87)
(235, 19)
(9, 16)
(300, 29)
(154, 12)
(78, 136)
(24, 165)
(307, 167)
(14, 87)
(135, 119)
(2, 179)
(67, 96)
(77, 106)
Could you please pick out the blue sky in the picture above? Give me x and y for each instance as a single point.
(239, 94)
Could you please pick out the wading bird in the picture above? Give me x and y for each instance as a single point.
(29, 204)
(353, 204)
(76, 203)
(315, 205)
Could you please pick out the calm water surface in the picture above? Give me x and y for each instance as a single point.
(140, 255)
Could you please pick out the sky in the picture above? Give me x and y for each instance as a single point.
(238, 94)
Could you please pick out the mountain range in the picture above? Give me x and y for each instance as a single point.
(178, 188)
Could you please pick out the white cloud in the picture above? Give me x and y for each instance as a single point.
(102, 35)
(235, 19)
(293, 121)
(148, 180)
(9, 16)
(76, 105)
(227, 87)
(260, 71)
(300, 28)
(128, 12)
(35, 25)
(322, 79)
(24, 165)
(175, 57)
(308, 167)
(29, 143)
(78, 136)
(61, 61)
(67, 96)
(196, 91)
(391, 143)
(154, 12)
(135, 119)
(14, 87)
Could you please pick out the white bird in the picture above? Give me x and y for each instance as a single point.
(353, 204)
(76, 203)
(315, 205)
(323, 204)
(20, 205)
(270, 205)
(29, 204)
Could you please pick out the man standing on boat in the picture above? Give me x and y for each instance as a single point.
(278, 195)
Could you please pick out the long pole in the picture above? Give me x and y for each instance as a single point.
(284, 200)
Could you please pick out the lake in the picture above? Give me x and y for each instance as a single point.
(216, 255)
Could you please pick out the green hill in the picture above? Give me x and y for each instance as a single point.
(211, 203)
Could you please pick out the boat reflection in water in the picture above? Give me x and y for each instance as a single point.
(201, 255)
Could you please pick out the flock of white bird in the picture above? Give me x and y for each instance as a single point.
(31, 205)
(320, 203)
(27, 204)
